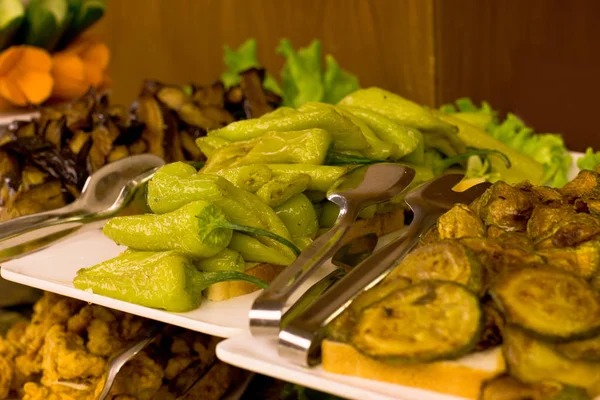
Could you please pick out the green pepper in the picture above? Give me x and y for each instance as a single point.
(523, 167)
(281, 188)
(279, 112)
(302, 242)
(378, 149)
(248, 177)
(417, 156)
(195, 230)
(165, 280)
(299, 216)
(329, 215)
(404, 138)
(226, 260)
(321, 176)
(177, 184)
(398, 109)
(346, 135)
(209, 144)
(308, 146)
(253, 250)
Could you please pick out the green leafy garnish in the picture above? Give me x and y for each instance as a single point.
(242, 59)
(590, 160)
(547, 149)
(304, 79)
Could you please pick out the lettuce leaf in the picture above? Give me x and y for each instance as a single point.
(304, 79)
(242, 59)
(548, 149)
(590, 160)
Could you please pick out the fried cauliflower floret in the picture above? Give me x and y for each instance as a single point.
(65, 358)
(52, 309)
(34, 391)
(141, 378)
(103, 338)
(7, 371)
(177, 364)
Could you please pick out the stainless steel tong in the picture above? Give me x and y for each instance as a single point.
(300, 340)
(105, 194)
(360, 188)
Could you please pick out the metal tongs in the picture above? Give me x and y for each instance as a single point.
(360, 188)
(105, 193)
(300, 340)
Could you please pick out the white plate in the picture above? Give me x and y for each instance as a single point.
(54, 268)
(261, 356)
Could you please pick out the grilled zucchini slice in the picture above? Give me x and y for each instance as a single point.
(531, 360)
(550, 303)
(444, 260)
(505, 387)
(587, 349)
(341, 327)
(432, 320)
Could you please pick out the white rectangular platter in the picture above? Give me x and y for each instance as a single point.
(54, 268)
(259, 355)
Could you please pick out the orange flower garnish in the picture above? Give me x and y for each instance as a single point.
(25, 75)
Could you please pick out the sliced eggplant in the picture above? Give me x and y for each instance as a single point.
(549, 303)
(429, 321)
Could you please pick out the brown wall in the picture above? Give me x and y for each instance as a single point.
(538, 58)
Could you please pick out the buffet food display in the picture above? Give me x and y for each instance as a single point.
(500, 300)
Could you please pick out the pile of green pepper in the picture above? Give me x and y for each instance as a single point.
(261, 195)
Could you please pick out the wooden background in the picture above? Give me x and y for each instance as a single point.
(537, 58)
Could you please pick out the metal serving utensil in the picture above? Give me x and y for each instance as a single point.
(120, 359)
(105, 193)
(300, 341)
(360, 188)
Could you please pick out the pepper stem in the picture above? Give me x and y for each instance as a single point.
(448, 162)
(258, 231)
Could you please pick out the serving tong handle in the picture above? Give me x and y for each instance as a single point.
(300, 341)
(360, 188)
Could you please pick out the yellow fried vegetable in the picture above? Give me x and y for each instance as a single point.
(460, 221)
(504, 206)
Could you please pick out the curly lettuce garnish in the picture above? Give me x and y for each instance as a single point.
(547, 149)
(590, 160)
(303, 77)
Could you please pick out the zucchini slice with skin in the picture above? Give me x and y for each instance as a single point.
(505, 387)
(432, 320)
(341, 327)
(587, 349)
(446, 260)
(531, 360)
(549, 303)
